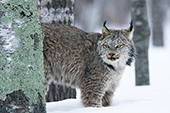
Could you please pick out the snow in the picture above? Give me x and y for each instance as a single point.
(129, 98)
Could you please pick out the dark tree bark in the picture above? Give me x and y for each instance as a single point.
(141, 40)
(158, 14)
(61, 12)
(21, 59)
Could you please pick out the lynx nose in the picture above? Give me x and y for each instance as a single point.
(111, 54)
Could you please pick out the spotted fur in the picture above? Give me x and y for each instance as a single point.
(92, 62)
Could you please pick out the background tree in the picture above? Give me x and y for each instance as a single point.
(21, 58)
(158, 15)
(141, 40)
(61, 12)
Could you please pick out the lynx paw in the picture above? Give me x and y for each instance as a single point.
(107, 99)
(91, 101)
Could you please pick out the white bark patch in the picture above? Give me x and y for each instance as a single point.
(10, 42)
(49, 14)
(138, 23)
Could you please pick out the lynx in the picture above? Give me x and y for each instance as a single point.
(93, 62)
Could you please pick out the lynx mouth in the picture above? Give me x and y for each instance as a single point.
(113, 58)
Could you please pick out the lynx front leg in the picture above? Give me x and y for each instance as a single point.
(107, 98)
(92, 92)
(91, 98)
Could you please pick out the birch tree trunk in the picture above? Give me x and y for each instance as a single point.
(61, 12)
(141, 40)
(21, 59)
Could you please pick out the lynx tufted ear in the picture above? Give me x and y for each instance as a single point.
(105, 31)
(130, 30)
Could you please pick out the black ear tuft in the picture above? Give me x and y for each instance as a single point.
(104, 24)
(131, 25)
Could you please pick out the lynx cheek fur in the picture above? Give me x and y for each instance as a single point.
(92, 62)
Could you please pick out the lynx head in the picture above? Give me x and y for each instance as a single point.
(116, 46)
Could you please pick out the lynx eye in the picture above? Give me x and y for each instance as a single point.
(118, 46)
(106, 46)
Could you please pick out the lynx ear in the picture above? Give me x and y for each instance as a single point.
(130, 30)
(105, 31)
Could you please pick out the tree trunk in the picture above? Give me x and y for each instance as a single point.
(141, 40)
(21, 60)
(158, 14)
(61, 12)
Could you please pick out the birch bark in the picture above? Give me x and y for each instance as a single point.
(21, 59)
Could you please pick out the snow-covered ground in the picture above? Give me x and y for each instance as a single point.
(129, 98)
